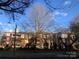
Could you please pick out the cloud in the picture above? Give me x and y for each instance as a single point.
(67, 2)
(0, 23)
(6, 27)
(56, 13)
(3, 24)
(64, 14)
(60, 13)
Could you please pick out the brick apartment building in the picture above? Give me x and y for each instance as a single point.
(43, 39)
(23, 38)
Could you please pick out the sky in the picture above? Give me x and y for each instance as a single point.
(62, 17)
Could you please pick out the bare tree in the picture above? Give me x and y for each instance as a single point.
(16, 6)
(40, 19)
(74, 25)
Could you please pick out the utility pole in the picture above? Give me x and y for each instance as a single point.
(15, 32)
(14, 41)
(15, 38)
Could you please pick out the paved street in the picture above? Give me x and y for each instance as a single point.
(36, 53)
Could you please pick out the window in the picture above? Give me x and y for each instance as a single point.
(7, 34)
(22, 35)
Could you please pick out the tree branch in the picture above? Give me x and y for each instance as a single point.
(7, 3)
